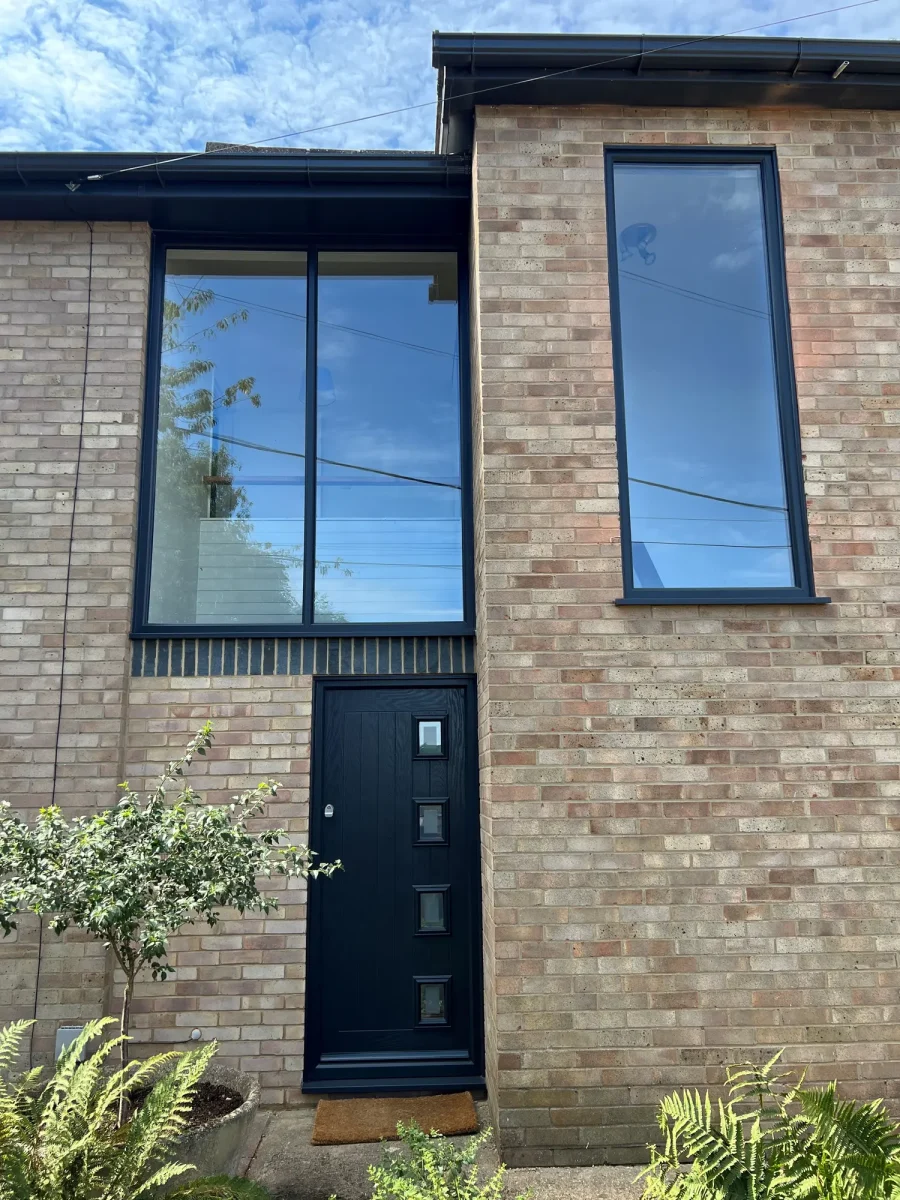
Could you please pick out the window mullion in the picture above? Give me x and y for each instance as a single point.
(309, 505)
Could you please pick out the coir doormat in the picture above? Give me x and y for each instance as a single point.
(345, 1122)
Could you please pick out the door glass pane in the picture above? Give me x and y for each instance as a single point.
(706, 481)
(388, 486)
(430, 737)
(432, 916)
(433, 1002)
(431, 823)
(228, 514)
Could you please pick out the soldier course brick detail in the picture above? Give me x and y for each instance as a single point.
(692, 813)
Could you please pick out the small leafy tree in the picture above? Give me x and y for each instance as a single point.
(133, 875)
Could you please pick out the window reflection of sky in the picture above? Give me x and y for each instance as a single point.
(699, 382)
(388, 537)
(388, 549)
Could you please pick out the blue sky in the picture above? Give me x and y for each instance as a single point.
(168, 75)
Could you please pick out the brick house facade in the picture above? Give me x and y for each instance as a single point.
(688, 843)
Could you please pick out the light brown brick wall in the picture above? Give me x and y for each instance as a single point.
(43, 310)
(243, 982)
(489, 959)
(689, 840)
(693, 810)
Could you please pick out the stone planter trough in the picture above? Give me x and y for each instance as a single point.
(215, 1148)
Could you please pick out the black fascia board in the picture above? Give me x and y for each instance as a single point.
(322, 194)
(723, 72)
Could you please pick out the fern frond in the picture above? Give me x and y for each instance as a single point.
(866, 1129)
(774, 1139)
(10, 1045)
(69, 1062)
(62, 1142)
(135, 1076)
(154, 1128)
(159, 1179)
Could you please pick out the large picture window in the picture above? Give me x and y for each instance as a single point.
(262, 354)
(711, 494)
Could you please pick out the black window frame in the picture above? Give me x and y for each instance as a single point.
(441, 802)
(429, 888)
(444, 750)
(788, 412)
(161, 243)
(443, 1022)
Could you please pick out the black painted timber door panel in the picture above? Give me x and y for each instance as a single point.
(394, 978)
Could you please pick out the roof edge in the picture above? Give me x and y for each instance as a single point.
(635, 69)
(124, 169)
(278, 191)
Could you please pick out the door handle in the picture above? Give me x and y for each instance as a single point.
(329, 810)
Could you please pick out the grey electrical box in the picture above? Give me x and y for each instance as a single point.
(65, 1036)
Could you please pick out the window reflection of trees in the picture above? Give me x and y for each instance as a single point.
(198, 471)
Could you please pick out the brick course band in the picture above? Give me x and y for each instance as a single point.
(190, 657)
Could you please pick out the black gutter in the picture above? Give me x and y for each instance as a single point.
(307, 169)
(318, 192)
(724, 72)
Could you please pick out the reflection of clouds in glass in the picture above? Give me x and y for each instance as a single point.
(733, 260)
(366, 444)
(700, 403)
(336, 345)
(396, 542)
(766, 571)
(699, 477)
(734, 191)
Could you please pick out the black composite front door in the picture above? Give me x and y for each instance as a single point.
(394, 974)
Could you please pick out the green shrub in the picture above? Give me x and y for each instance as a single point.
(773, 1139)
(133, 875)
(433, 1168)
(61, 1140)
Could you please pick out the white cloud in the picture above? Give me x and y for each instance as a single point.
(165, 75)
(733, 260)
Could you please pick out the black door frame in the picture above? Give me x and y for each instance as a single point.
(474, 1075)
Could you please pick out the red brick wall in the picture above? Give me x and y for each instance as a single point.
(693, 810)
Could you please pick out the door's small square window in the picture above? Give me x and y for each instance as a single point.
(431, 823)
(431, 741)
(432, 910)
(433, 1000)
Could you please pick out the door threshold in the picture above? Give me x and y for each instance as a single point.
(378, 1087)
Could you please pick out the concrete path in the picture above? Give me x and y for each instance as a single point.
(574, 1183)
(281, 1157)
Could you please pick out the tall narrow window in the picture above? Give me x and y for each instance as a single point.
(388, 485)
(228, 513)
(710, 491)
